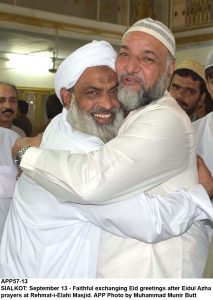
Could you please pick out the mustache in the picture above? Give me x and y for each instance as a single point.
(103, 111)
(182, 103)
(132, 76)
(8, 110)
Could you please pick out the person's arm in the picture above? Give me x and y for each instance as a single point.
(151, 219)
(205, 176)
(146, 154)
(7, 181)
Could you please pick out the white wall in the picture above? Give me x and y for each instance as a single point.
(43, 80)
(198, 53)
(24, 79)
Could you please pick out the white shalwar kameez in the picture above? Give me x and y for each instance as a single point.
(204, 139)
(8, 173)
(154, 151)
(47, 238)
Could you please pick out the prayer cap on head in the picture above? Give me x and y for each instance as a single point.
(96, 53)
(193, 66)
(158, 30)
(209, 60)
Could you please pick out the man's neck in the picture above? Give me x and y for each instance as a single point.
(6, 125)
(193, 117)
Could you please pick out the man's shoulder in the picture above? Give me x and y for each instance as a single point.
(8, 133)
(168, 102)
(165, 112)
(204, 126)
(18, 130)
(164, 105)
(168, 107)
(60, 135)
(208, 119)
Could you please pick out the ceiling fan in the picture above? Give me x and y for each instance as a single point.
(55, 59)
(53, 69)
(4, 59)
(55, 62)
(51, 53)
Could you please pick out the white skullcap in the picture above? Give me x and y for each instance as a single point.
(156, 29)
(193, 66)
(209, 60)
(96, 53)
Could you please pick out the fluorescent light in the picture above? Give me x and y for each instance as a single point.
(29, 63)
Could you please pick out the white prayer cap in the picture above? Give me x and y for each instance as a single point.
(209, 60)
(156, 29)
(193, 66)
(96, 53)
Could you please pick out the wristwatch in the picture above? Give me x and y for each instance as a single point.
(19, 156)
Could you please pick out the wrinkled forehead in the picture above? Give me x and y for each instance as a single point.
(186, 80)
(138, 40)
(141, 44)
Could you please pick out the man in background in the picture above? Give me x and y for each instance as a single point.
(8, 135)
(53, 107)
(21, 120)
(8, 172)
(9, 107)
(204, 126)
(204, 137)
(188, 87)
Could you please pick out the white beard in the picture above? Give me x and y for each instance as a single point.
(84, 122)
(132, 99)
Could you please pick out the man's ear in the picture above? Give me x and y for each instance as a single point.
(202, 99)
(169, 74)
(66, 97)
